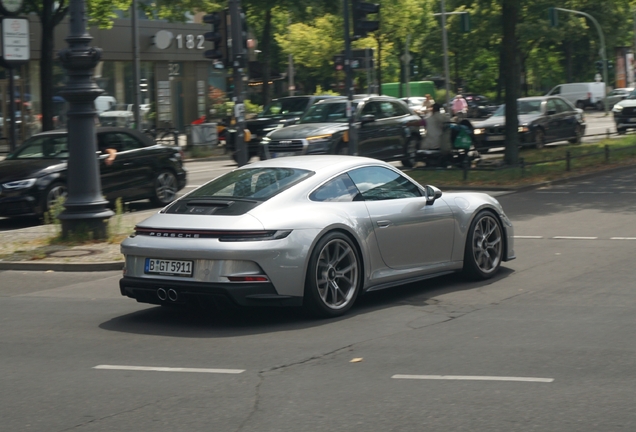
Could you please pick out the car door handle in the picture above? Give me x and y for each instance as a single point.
(128, 163)
(384, 223)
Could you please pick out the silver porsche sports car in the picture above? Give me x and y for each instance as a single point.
(314, 231)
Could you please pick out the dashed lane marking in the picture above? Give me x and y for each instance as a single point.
(574, 238)
(528, 237)
(169, 369)
(472, 378)
(570, 237)
(622, 238)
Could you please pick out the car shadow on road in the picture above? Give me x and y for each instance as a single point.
(227, 320)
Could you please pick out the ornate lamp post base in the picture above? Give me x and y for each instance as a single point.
(85, 207)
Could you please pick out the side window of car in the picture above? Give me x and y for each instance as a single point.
(557, 90)
(339, 189)
(380, 183)
(109, 140)
(399, 109)
(387, 110)
(550, 106)
(562, 106)
(129, 142)
(369, 108)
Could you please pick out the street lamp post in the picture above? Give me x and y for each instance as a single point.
(85, 207)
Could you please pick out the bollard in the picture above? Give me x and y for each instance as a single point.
(607, 133)
(567, 160)
(465, 165)
(522, 163)
(607, 153)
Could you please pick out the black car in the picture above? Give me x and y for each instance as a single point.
(479, 106)
(542, 120)
(625, 113)
(35, 174)
(388, 130)
(279, 113)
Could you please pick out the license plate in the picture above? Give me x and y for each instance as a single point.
(168, 267)
(495, 138)
(282, 154)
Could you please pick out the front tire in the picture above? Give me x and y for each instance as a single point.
(334, 276)
(165, 188)
(484, 247)
(621, 130)
(54, 192)
(578, 135)
(412, 145)
(539, 139)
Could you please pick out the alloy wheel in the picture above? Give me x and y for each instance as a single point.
(337, 273)
(56, 193)
(487, 244)
(165, 187)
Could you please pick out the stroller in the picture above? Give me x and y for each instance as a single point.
(463, 152)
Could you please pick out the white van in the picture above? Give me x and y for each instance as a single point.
(582, 95)
(104, 103)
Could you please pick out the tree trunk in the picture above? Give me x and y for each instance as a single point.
(267, 66)
(46, 65)
(510, 16)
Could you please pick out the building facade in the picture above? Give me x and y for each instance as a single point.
(176, 79)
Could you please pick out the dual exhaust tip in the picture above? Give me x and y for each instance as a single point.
(169, 294)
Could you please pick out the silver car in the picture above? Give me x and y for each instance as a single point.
(312, 231)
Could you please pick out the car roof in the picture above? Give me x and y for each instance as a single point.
(103, 129)
(315, 162)
(359, 98)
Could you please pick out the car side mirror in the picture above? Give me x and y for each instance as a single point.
(367, 118)
(432, 194)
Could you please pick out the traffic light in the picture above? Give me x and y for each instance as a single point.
(599, 66)
(360, 24)
(553, 17)
(216, 36)
(610, 65)
(338, 62)
(465, 22)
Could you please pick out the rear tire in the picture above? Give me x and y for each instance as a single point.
(53, 193)
(600, 106)
(165, 188)
(334, 276)
(412, 146)
(621, 130)
(580, 105)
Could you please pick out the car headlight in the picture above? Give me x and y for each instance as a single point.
(266, 140)
(19, 184)
(523, 128)
(479, 131)
(617, 108)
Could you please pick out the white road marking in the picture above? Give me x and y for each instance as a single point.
(528, 237)
(597, 192)
(471, 378)
(574, 238)
(169, 369)
(622, 238)
(553, 192)
(193, 186)
(628, 192)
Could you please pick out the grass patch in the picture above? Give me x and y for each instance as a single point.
(538, 166)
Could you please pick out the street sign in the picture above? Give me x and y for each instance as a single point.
(15, 40)
(406, 58)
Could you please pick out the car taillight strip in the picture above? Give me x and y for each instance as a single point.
(221, 235)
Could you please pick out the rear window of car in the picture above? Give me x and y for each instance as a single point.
(252, 183)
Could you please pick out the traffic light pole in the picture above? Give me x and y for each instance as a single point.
(353, 142)
(602, 51)
(136, 65)
(238, 63)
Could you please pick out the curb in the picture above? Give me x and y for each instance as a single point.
(61, 266)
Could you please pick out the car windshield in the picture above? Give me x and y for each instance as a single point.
(327, 113)
(632, 95)
(254, 183)
(42, 147)
(285, 107)
(524, 107)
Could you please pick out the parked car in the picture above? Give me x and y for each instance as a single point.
(314, 231)
(625, 113)
(542, 120)
(617, 95)
(278, 113)
(388, 130)
(35, 174)
(479, 106)
(581, 95)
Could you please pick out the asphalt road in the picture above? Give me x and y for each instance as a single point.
(549, 345)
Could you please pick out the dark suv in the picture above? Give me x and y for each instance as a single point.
(279, 113)
(388, 130)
